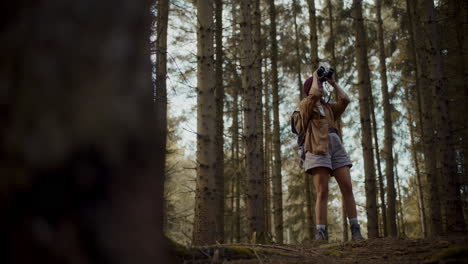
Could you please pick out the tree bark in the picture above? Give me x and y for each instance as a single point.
(426, 99)
(434, 221)
(161, 65)
(298, 50)
(277, 179)
(236, 104)
(366, 136)
(444, 123)
(258, 50)
(381, 189)
(334, 63)
(207, 195)
(219, 95)
(255, 188)
(391, 194)
(314, 59)
(456, 22)
(419, 188)
(237, 162)
(268, 151)
(81, 156)
(307, 186)
(400, 202)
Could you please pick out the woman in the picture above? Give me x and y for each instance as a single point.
(325, 154)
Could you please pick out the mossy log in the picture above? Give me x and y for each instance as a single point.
(221, 253)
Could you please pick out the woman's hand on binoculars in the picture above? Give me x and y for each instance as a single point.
(331, 80)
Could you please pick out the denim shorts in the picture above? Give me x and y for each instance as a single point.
(334, 159)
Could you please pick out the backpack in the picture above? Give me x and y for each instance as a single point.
(298, 129)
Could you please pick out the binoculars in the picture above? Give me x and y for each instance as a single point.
(323, 73)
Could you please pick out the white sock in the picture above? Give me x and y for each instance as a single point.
(323, 227)
(353, 221)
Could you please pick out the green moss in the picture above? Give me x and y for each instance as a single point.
(331, 246)
(241, 251)
(334, 253)
(452, 253)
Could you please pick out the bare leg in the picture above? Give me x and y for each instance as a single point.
(320, 176)
(343, 178)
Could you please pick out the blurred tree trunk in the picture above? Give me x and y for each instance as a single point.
(161, 65)
(455, 23)
(458, 19)
(435, 222)
(364, 107)
(258, 53)
(236, 158)
(310, 219)
(400, 201)
(277, 179)
(444, 124)
(237, 162)
(388, 149)
(381, 189)
(81, 154)
(207, 195)
(236, 104)
(419, 188)
(314, 59)
(297, 47)
(255, 188)
(268, 149)
(310, 213)
(416, 57)
(219, 94)
(334, 63)
(462, 28)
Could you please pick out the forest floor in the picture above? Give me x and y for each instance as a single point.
(374, 251)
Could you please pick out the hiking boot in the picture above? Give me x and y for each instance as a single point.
(356, 232)
(321, 234)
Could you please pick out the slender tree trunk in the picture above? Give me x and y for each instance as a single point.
(258, 48)
(161, 73)
(314, 59)
(444, 138)
(268, 151)
(298, 51)
(277, 179)
(400, 201)
(381, 189)
(435, 223)
(207, 195)
(232, 212)
(366, 136)
(237, 163)
(161, 64)
(93, 151)
(422, 215)
(219, 94)
(236, 104)
(310, 215)
(334, 63)
(255, 193)
(391, 195)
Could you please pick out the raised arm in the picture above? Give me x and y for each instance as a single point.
(343, 100)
